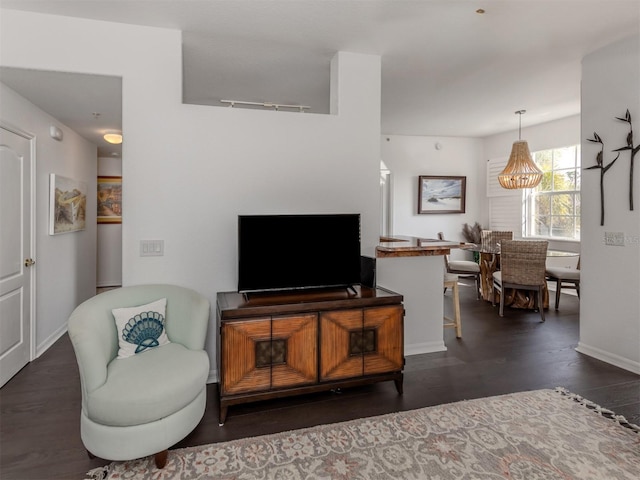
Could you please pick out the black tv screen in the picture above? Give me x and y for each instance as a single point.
(285, 252)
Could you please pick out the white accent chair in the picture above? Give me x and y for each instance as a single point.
(141, 405)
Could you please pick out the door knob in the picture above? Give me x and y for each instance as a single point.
(28, 262)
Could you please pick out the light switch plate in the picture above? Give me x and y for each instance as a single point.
(151, 248)
(615, 239)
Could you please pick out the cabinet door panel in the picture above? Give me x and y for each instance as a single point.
(337, 329)
(298, 337)
(241, 372)
(389, 352)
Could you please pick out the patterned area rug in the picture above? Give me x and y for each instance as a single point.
(537, 435)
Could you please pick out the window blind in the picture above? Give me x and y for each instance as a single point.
(505, 206)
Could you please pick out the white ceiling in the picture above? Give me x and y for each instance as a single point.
(75, 100)
(446, 70)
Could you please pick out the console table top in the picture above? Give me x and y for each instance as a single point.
(237, 305)
(407, 246)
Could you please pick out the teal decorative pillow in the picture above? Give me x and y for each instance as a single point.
(140, 328)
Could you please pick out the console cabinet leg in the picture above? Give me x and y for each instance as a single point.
(222, 416)
(398, 382)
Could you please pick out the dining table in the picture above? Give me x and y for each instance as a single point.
(489, 261)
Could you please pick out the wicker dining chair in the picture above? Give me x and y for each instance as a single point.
(522, 266)
(491, 239)
(464, 268)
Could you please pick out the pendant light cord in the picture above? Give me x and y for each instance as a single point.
(520, 112)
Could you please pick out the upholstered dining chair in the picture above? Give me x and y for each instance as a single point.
(522, 266)
(566, 277)
(491, 239)
(143, 369)
(462, 268)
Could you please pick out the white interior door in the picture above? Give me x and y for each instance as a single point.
(16, 263)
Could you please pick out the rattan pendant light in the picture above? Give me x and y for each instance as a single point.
(521, 171)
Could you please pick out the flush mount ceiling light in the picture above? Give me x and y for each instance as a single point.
(113, 137)
(521, 171)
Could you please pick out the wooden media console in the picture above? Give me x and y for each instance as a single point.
(279, 344)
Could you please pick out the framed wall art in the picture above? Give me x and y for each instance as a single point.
(67, 204)
(109, 199)
(441, 194)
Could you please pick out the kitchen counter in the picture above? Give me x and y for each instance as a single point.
(414, 267)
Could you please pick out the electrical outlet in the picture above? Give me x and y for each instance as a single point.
(151, 248)
(614, 239)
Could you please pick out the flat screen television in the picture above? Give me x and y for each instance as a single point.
(287, 252)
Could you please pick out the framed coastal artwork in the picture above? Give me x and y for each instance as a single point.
(67, 204)
(441, 194)
(109, 199)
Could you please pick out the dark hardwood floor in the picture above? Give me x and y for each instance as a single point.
(40, 406)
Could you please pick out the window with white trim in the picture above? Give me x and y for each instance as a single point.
(553, 207)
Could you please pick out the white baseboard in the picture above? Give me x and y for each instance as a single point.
(565, 291)
(609, 357)
(53, 338)
(428, 347)
(213, 376)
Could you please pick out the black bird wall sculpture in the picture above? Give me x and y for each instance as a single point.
(633, 150)
(603, 169)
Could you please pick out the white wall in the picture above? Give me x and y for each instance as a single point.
(610, 282)
(190, 170)
(65, 267)
(554, 134)
(408, 157)
(109, 248)
(411, 156)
